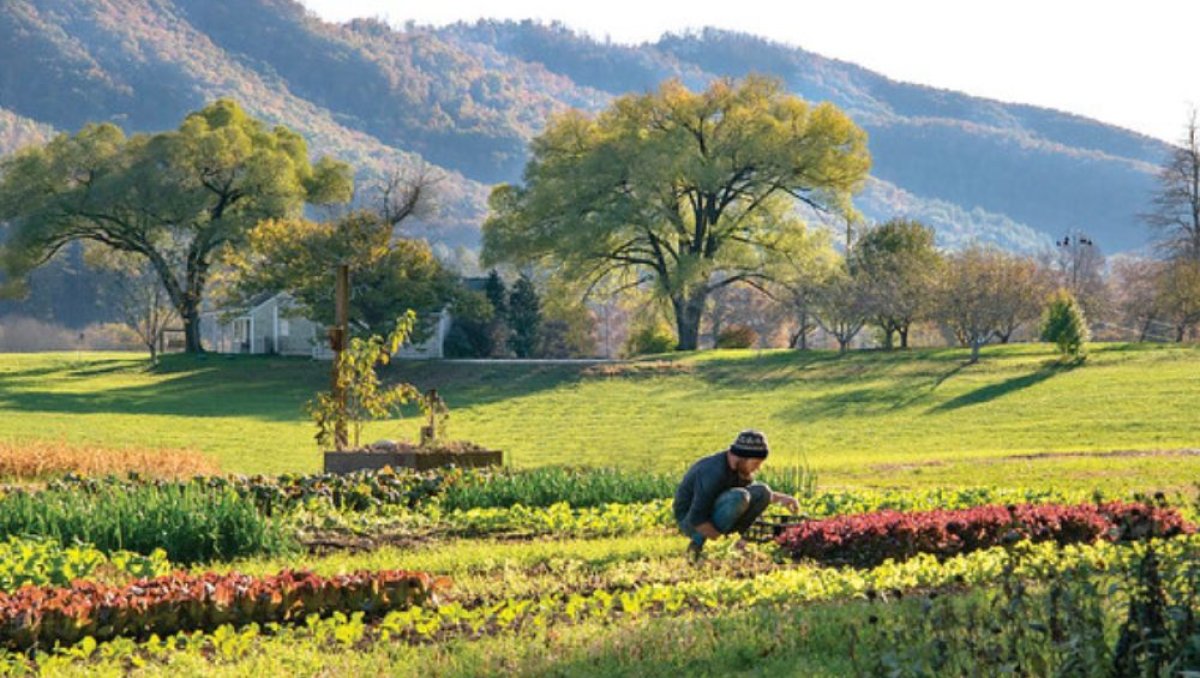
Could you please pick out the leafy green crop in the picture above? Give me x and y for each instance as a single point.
(189, 523)
(1024, 562)
(41, 562)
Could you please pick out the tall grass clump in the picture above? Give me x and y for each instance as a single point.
(190, 523)
(39, 459)
(588, 487)
(579, 487)
(798, 480)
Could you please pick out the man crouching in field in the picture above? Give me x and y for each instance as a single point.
(718, 496)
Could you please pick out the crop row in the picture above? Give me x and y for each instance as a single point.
(558, 519)
(41, 562)
(782, 586)
(189, 523)
(862, 539)
(359, 491)
(43, 616)
(802, 584)
(868, 539)
(465, 489)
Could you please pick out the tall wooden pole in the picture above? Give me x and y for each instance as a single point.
(337, 342)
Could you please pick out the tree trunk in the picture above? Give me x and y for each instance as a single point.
(843, 344)
(975, 344)
(688, 311)
(903, 330)
(799, 339)
(191, 328)
(888, 331)
(186, 301)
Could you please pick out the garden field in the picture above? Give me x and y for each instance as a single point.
(474, 573)
(1015, 517)
(1126, 419)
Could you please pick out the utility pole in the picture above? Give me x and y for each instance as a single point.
(337, 342)
(1076, 247)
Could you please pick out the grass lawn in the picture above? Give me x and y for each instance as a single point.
(1129, 418)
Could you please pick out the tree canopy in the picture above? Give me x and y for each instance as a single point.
(899, 263)
(176, 198)
(388, 275)
(689, 191)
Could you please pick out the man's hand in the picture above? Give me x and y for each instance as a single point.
(787, 501)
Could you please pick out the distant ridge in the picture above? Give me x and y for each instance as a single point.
(468, 97)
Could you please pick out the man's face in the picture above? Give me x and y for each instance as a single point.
(746, 467)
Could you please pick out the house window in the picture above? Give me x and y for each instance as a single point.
(284, 329)
(241, 329)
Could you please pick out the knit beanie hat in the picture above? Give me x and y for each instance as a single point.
(750, 444)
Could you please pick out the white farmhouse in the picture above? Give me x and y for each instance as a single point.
(271, 324)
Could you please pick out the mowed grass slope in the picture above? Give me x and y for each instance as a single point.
(1129, 418)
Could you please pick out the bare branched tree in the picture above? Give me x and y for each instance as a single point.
(1175, 212)
(842, 307)
(136, 293)
(972, 293)
(405, 192)
(1137, 298)
(1179, 296)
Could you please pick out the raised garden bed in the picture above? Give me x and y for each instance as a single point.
(407, 455)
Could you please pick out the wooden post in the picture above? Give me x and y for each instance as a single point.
(337, 342)
(429, 432)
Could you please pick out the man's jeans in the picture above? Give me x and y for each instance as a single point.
(735, 510)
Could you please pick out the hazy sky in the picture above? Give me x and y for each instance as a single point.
(1133, 64)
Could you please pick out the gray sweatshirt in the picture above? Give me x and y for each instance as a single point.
(697, 492)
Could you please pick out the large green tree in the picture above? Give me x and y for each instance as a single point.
(176, 198)
(689, 191)
(899, 264)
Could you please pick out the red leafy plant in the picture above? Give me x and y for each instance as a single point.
(42, 616)
(868, 539)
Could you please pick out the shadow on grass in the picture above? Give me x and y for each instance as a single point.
(100, 367)
(264, 388)
(257, 387)
(468, 385)
(886, 392)
(991, 392)
(775, 369)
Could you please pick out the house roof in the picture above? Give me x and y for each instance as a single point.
(475, 284)
(252, 304)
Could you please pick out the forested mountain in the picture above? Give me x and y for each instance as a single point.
(467, 98)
